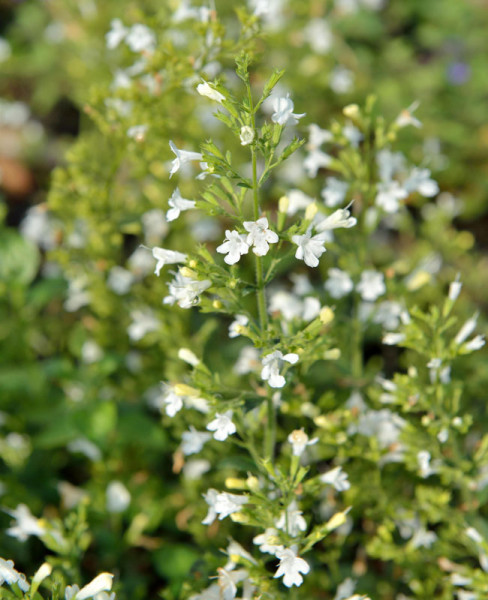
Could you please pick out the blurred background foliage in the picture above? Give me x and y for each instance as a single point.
(79, 394)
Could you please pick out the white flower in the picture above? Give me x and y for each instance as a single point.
(143, 322)
(466, 330)
(299, 441)
(310, 249)
(455, 289)
(334, 191)
(423, 538)
(178, 204)
(352, 134)
(155, 225)
(297, 200)
(193, 441)
(338, 283)
(118, 497)
(182, 157)
(315, 160)
(84, 446)
(246, 135)
(392, 339)
(226, 504)
(166, 257)
(210, 498)
(240, 321)
(337, 478)
(345, 589)
(420, 181)
(406, 116)
(205, 89)
(260, 236)
(272, 363)
(475, 344)
(318, 136)
(267, 541)
(228, 578)
(188, 356)
(248, 361)
(10, 575)
(371, 285)
(234, 246)
(195, 468)
(101, 583)
(388, 314)
(91, 352)
(290, 567)
(172, 401)
(141, 38)
(283, 111)
(319, 35)
(388, 196)
(26, 524)
(120, 280)
(185, 291)
(389, 163)
(291, 520)
(137, 132)
(116, 34)
(222, 425)
(341, 80)
(339, 218)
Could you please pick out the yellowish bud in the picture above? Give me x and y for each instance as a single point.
(217, 304)
(181, 389)
(326, 315)
(232, 284)
(193, 263)
(419, 280)
(253, 483)
(186, 272)
(311, 211)
(351, 111)
(238, 517)
(332, 354)
(283, 204)
(234, 483)
(337, 520)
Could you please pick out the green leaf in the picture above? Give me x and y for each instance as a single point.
(19, 258)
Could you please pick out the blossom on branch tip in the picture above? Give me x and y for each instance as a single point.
(185, 291)
(182, 157)
(283, 111)
(226, 504)
(166, 257)
(205, 89)
(299, 440)
(310, 249)
(260, 236)
(234, 246)
(337, 478)
(290, 567)
(193, 440)
(338, 284)
(222, 425)
(406, 116)
(371, 285)
(240, 321)
(339, 218)
(272, 363)
(9, 575)
(178, 204)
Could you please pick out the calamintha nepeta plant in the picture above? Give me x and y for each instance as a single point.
(258, 405)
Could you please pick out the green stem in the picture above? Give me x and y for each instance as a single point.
(270, 432)
(261, 300)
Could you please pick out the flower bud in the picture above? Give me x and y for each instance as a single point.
(283, 204)
(326, 315)
(246, 135)
(351, 111)
(311, 211)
